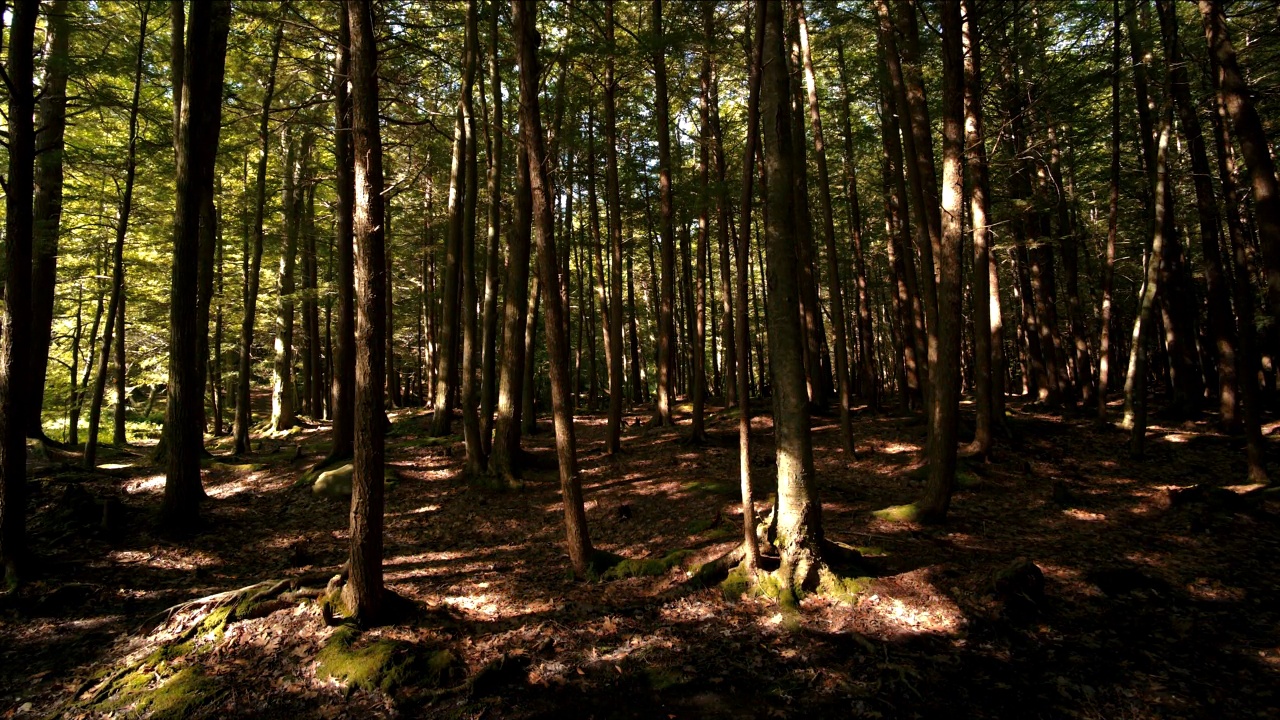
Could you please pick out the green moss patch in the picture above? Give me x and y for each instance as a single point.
(736, 584)
(724, 488)
(650, 567)
(843, 589)
(899, 513)
(385, 665)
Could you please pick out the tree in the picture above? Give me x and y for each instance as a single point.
(666, 224)
(944, 409)
(363, 593)
(493, 262)
(47, 207)
(344, 363)
(798, 510)
(206, 47)
(15, 325)
(524, 27)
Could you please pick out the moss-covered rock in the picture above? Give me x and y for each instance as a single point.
(335, 483)
(899, 513)
(843, 589)
(385, 665)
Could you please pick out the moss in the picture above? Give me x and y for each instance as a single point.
(425, 441)
(386, 665)
(700, 526)
(723, 488)
(843, 589)
(180, 695)
(167, 653)
(217, 621)
(871, 550)
(899, 513)
(650, 567)
(737, 584)
(967, 480)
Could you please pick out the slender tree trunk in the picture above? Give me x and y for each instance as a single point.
(1249, 133)
(526, 39)
(15, 321)
(118, 436)
(506, 440)
(835, 293)
(470, 412)
(244, 377)
(1135, 415)
(1222, 327)
(47, 206)
(218, 396)
(363, 594)
(666, 317)
(528, 414)
(114, 314)
(798, 510)
(1248, 357)
(1105, 354)
(727, 324)
(741, 325)
(206, 47)
(342, 392)
(975, 140)
(945, 408)
(283, 413)
(493, 264)
(866, 351)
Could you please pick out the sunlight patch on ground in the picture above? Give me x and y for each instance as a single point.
(416, 511)
(898, 448)
(232, 489)
(484, 605)
(187, 560)
(1212, 590)
(911, 617)
(1177, 438)
(115, 466)
(1078, 514)
(151, 485)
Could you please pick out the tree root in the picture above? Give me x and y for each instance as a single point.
(252, 601)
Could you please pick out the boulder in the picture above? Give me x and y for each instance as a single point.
(335, 483)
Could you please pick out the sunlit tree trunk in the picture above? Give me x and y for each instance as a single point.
(666, 226)
(1105, 353)
(526, 39)
(282, 391)
(206, 47)
(980, 193)
(493, 263)
(944, 410)
(469, 391)
(343, 378)
(798, 510)
(363, 594)
(727, 323)
(613, 201)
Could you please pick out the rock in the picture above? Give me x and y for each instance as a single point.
(335, 483)
(1020, 586)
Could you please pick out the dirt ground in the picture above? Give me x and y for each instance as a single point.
(1150, 608)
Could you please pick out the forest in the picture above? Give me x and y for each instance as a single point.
(639, 358)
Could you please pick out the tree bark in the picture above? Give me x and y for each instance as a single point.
(470, 412)
(516, 316)
(493, 262)
(206, 47)
(666, 226)
(15, 325)
(798, 510)
(47, 206)
(282, 391)
(1234, 93)
(944, 410)
(342, 391)
(363, 594)
(526, 39)
(834, 291)
(1105, 353)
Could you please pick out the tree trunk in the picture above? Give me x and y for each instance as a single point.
(835, 293)
(666, 226)
(363, 592)
(741, 324)
(1248, 357)
(1234, 93)
(798, 510)
(1222, 327)
(866, 338)
(1135, 411)
(342, 392)
(944, 410)
(117, 256)
(493, 263)
(15, 325)
(727, 325)
(470, 412)
(526, 39)
(980, 182)
(206, 47)
(118, 435)
(283, 413)
(47, 206)
(244, 376)
(506, 436)
(1105, 354)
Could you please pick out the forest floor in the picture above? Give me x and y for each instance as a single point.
(1149, 608)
